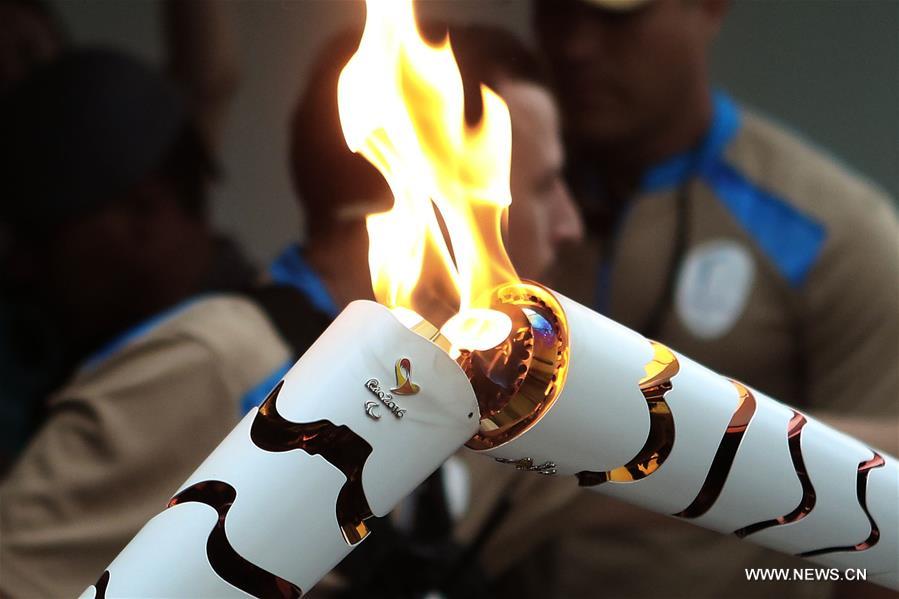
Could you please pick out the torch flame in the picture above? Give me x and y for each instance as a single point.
(401, 106)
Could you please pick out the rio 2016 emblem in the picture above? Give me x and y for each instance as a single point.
(404, 386)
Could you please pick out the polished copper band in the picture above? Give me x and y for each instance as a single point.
(724, 456)
(657, 382)
(518, 381)
(807, 501)
(861, 486)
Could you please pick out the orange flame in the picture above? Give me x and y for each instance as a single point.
(401, 106)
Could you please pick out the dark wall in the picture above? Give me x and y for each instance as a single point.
(829, 69)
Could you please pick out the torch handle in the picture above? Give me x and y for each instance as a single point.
(640, 422)
(362, 419)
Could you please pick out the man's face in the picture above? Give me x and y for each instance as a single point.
(542, 215)
(78, 274)
(622, 74)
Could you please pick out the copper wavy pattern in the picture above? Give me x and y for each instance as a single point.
(861, 485)
(340, 446)
(654, 386)
(807, 502)
(224, 559)
(724, 456)
(101, 585)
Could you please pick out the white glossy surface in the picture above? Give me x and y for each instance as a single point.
(262, 524)
(762, 481)
(702, 404)
(831, 460)
(365, 342)
(168, 559)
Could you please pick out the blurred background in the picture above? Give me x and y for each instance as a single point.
(126, 320)
(826, 67)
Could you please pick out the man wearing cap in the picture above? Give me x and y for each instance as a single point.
(725, 237)
(103, 183)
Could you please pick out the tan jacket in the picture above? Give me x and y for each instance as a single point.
(788, 281)
(121, 437)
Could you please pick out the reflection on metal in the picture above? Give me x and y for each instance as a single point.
(862, 490)
(425, 329)
(341, 447)
(794, 434)
(657, 382)
(527, 464)
(223, 558)
(518, 381)
(724, 457)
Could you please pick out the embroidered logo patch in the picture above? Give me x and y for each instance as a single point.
(713, 287)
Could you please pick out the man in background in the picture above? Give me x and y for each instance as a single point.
(200, 59)
(725, 237)
(103, 205)
(31, 34)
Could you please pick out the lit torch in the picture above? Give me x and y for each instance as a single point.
(461, 351)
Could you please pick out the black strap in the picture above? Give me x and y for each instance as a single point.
(292, 314)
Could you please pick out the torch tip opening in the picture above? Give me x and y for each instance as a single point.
(519, 379)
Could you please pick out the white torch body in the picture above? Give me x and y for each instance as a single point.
(637, 421)
(368, 412)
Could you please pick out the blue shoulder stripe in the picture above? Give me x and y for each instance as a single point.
(791, 239)
(139, 330)
(290, 268)
(257, 394)
(679, 168)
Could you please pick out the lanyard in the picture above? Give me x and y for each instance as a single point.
(291, 269)
(653, 324)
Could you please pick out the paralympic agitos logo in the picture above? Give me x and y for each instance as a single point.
(404, 386)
